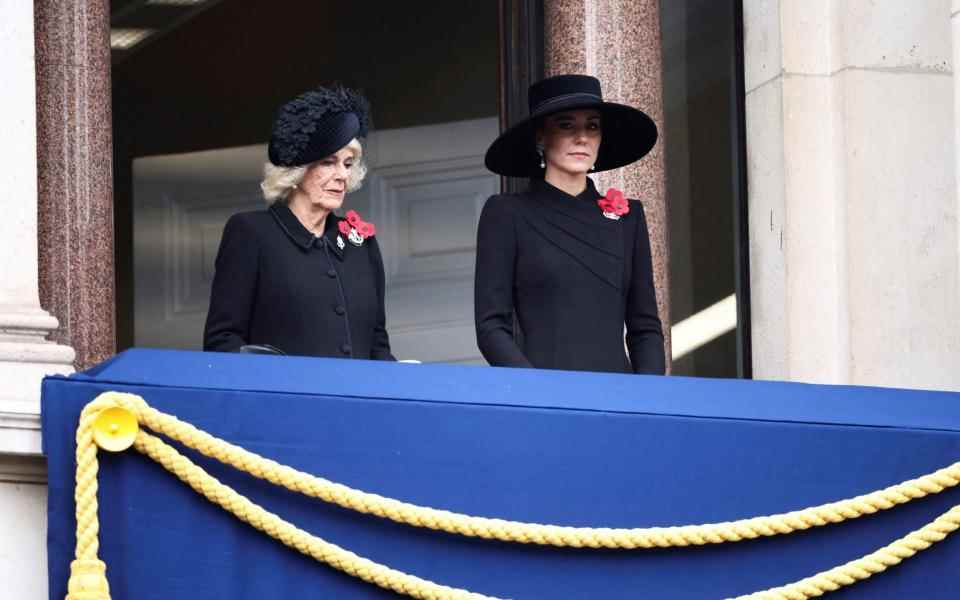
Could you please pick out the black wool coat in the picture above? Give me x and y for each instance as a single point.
(572, 277)
(276, 283)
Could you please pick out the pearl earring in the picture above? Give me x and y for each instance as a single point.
(593, 167)
(543, 165)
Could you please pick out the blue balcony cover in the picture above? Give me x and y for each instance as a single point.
(544, 446)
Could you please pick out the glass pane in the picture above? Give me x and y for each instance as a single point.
(702, 155)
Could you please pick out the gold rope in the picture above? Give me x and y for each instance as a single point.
(867, 566)
(487, 528)
(88, 580)
(279, 529)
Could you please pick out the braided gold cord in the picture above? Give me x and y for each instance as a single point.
(867, 566)
(88, 574)
(487, 528)
(290, 535)
(85, 492)
(535, 533)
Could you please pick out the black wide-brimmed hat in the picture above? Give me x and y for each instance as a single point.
(316, 124)
(628, 133)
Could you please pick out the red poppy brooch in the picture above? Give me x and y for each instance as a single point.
(356, 229)
(614, 205)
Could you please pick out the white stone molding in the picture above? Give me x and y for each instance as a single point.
(25, 354)
(955, 47)
(23, 469)
(851, 163)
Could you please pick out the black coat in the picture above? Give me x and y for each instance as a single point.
(276, 283)
(573, 277)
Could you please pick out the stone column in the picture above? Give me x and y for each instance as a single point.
(25, 355)
(75, 173)
(618, 41)
(955, 39)
(854, 261)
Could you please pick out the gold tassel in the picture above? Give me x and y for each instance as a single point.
(88, 580)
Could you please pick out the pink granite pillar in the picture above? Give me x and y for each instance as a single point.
(74, 163)
(618, 41)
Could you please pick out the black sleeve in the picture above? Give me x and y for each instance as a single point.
(644, 330)
(234, 288)
(380, 348)
(494, 283)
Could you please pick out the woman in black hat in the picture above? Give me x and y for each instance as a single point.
(573, 266)
(296, 277)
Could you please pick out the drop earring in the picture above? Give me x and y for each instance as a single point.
(543, 165)
(593, 168)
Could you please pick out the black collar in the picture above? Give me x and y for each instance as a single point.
(303, 237)
(582, 207)
(589, 193)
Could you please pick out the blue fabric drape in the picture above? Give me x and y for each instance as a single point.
(545, 446)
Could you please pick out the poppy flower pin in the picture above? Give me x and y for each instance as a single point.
(614, 205)
(356, 229)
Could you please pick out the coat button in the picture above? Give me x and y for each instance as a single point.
(332, 272)
(339, 309)
(346, 349)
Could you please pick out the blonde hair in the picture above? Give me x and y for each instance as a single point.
(278, 182)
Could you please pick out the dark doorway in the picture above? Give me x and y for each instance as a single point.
(200, 87)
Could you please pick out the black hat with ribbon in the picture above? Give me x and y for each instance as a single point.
(316, 124)
(628, 134)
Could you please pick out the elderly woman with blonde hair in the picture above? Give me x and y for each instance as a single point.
(295, 277)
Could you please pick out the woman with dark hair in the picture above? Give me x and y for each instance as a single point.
(571, 265)
(295, 277)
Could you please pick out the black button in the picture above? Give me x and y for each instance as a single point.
(339, 309)
(345, 348)
(332, 272)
